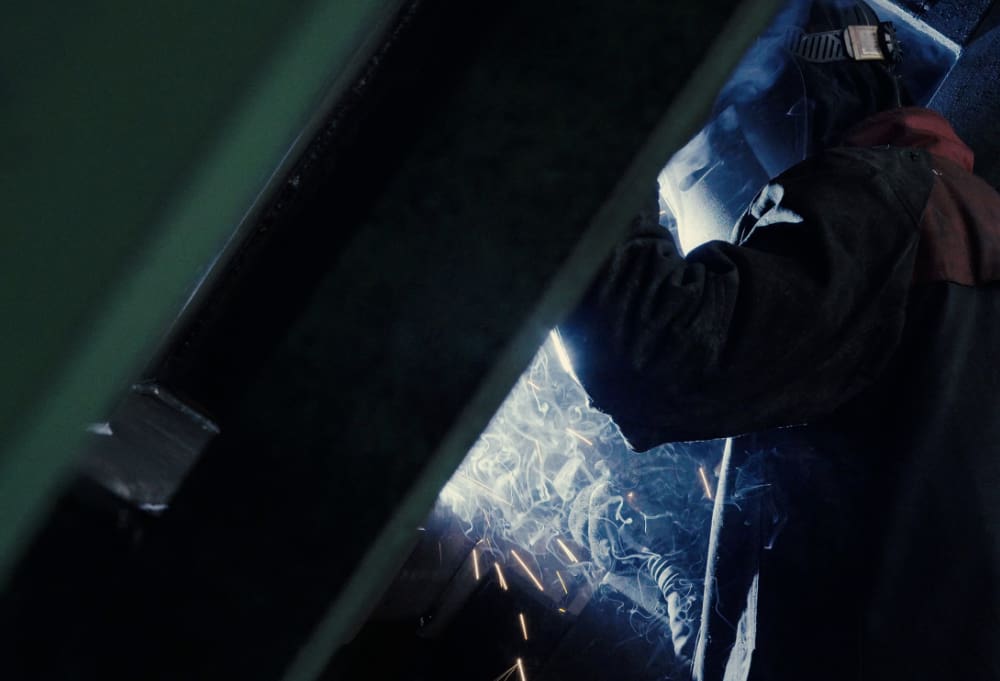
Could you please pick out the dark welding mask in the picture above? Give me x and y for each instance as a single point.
(846, 58)
(818, 69)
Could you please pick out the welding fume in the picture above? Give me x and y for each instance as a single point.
(773, 443)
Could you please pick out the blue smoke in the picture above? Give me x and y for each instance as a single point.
(550, 477)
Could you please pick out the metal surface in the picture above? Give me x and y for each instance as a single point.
(144, 451)
(133, 142)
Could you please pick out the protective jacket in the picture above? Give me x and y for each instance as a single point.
(850, 340)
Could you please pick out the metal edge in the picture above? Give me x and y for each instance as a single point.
(687, 111)
(332, 37)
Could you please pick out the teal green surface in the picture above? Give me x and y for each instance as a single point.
(133, 137)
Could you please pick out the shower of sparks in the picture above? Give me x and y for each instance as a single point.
(704, 481)
(503, 582)
(527, 570)
(485, 489)
(506, 674)
(579, 437)
(524, 625)
(561, 354)
(562, 583)
(520, 670)
(569, 554)
(475, 564)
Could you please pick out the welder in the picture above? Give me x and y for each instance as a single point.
(849, 340)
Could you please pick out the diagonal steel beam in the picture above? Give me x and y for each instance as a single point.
(410, 265)
(141, 139)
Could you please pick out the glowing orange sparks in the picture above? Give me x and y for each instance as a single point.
(527, 570)
(562, 583)
(524, 625)
(520, 670)
(503, 582)
(569, 554)
(704, 481)
(579, 437)
(475, 563)
(533, 385)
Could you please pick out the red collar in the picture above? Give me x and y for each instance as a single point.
(911, 127)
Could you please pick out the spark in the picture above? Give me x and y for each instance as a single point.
(562, 355)
(528, 570)
(533, 384)
(520, 670)
(562, 610)
(524, 625)
(506, 674)
(704, 481)
(569, 554)
(503, 582)
(485, 489)
(475, 564)
(562, 583)
(578, 436)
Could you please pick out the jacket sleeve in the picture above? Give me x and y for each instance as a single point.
(779, 330)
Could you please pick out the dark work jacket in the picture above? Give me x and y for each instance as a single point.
(850, 341)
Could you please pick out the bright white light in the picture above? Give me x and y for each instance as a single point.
(561, 354)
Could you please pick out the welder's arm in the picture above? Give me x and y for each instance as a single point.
(735, 339)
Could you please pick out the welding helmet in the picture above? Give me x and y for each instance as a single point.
(817, 70)
(846, 58)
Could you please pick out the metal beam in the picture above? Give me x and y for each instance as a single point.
(499, 155)
(135, 140)
(403, 274)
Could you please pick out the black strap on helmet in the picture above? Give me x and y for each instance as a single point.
(854, 43)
